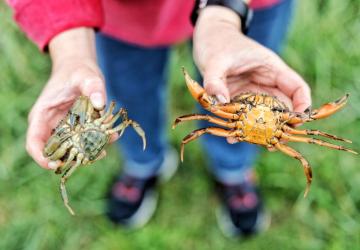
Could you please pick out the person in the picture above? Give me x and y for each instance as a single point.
(126, 45)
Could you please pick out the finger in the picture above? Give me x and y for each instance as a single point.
(238, 79)
(272, 149)
(94, 88)
(34, 146)
(232, 140)
(295, 87)
(215, 81)
(55, 164)
(37, 134)
(114, 137)
(108, 119)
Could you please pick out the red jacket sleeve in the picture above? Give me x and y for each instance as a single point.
(41, 20)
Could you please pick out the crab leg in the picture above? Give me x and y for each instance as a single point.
(217, 111)
(126, 122)
(121, 128)
(78, 110)
(121, 113)
(89, 112)
(208, 102)
(208, 118)
(63, 180)
(53, 144)
(313, 132)
(139, 131)
(293, 153)
(210, 130)
(315, 141)
(106, 115)
(320, 113)
(72, 155)
(197, 91)
(231, 107)
(61, 151)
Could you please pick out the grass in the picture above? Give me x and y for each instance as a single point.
(323, 46)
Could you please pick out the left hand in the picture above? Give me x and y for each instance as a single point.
(232, 63)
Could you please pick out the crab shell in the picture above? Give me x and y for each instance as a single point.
(89, 140)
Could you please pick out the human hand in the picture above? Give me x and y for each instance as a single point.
(232, 63)
(74, 73)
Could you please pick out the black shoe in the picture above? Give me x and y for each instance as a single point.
(241, 213)
(132, 201)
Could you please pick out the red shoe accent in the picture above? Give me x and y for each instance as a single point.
(122, 191)
(247, 201)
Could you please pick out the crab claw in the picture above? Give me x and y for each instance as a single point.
(329, 108)
(140, 132)
(198, 92)
(320, 113)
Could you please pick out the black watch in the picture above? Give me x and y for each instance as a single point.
(238, 6)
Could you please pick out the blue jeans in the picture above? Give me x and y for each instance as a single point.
(136, 79)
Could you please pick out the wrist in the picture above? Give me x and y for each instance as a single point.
(218, 15)
(213, 21)
(73, 45)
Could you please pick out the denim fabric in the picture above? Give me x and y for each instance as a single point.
(136, 79)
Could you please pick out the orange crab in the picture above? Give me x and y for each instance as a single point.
(260, 119)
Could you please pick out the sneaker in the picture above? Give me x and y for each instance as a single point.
(241, 212)
(169, 166)
(132, 201)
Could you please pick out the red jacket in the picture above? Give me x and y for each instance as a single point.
(143, 22)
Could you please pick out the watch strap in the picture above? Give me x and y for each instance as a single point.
(238, 6)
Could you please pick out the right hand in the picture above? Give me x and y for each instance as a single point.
(74, 73)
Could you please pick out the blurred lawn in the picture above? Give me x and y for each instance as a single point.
(324, 46)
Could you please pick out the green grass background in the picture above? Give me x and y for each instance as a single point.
(324, 46)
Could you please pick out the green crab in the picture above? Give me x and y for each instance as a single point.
(80, 138)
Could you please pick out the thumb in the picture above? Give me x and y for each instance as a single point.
(94, 88)
(215, 82)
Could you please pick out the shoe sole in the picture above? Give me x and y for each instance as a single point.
(144, 213)
(227, 228)
(169, 167)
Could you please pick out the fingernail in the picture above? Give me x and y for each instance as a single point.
(53, 165)
(221, 98)
(232, 140)
(97, 100)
